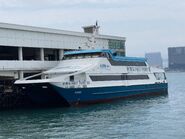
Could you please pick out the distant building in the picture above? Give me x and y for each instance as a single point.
(154, 59)
(165, 63)
(176, 57)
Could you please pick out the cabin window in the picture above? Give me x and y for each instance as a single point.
(137, 77)
(114, 54)
(95, 55)
(119, 77)
(160, 76)
(84, 55)
(124, 77)
(71, 78)
(106, 78)
(126, 63)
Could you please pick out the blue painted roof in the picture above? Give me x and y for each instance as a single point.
(86, 51)
(116, 58)
(133, 59)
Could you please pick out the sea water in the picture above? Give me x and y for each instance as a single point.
(159, 117)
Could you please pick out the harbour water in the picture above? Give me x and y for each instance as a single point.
(159, 117)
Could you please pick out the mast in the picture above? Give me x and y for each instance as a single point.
(94, 30)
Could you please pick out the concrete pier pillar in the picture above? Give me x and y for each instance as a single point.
(21, 74)
(42, 54)
(20, 53)
(61, 54)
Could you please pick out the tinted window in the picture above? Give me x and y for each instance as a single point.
(71, 78)
(126, 63)
(118, 77)
(84, 55)
(106, 78)
(137, 77)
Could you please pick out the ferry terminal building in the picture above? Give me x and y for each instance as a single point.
(26, 50)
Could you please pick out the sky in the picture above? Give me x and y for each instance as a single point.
(148, 25)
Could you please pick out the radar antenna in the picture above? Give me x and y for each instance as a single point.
(95, 32)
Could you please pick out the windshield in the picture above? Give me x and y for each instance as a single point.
(160, 76)
(85, 55)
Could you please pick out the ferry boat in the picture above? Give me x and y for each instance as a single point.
(93, 76)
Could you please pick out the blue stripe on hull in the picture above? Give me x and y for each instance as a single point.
(88, 95)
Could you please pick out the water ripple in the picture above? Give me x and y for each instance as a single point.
(150, 117)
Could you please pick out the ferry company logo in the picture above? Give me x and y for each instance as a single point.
(105, 66)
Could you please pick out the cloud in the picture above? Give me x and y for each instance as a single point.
(41, 3)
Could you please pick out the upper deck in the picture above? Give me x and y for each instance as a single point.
(110, 54)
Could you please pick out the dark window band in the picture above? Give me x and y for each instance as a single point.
(119, 77)
(126, 63)
(137, 77)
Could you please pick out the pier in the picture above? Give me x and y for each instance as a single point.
(11, 97)
(12, 100)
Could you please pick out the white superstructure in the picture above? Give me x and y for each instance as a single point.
(99, 68)
(91, 76)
